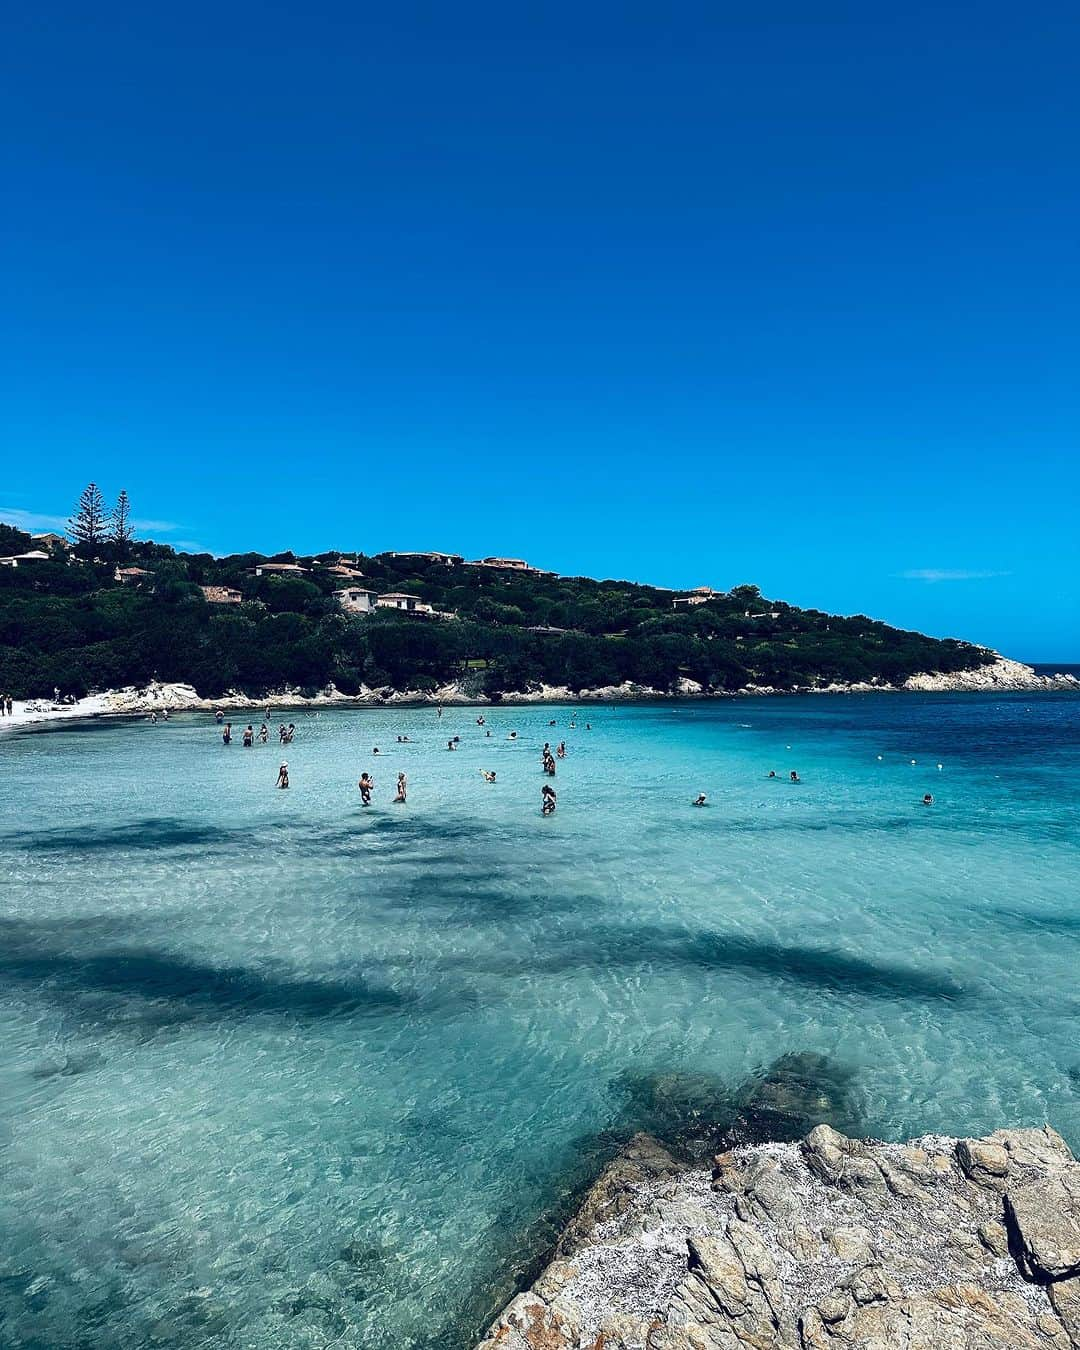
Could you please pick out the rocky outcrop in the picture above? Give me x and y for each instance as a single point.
(999, 675)
(825, 1244)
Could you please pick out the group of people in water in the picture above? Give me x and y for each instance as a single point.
(366, 784)
(250, 735)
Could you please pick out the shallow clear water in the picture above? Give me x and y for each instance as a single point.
(276, 1071)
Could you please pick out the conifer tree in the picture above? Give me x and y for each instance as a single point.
(120, 531)
(87, 525)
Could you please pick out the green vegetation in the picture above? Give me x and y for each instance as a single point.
(69, 622)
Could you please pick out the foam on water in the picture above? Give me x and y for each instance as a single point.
(279, 1072)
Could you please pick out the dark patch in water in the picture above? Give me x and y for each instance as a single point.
(1046, 919)
(798, 1091)
(696, 1113)
(162, 988)
(816, 967)
(68, 1066)
(153, 833)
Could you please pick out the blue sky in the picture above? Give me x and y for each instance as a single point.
(696, 293)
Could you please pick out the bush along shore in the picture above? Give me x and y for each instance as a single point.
(117, 614)
(818, 1242)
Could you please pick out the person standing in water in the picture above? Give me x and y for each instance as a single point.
(283, 776)
(264, 733)
(366, 785)
(248, 739)
(402, 788)
(547, 800)
(226, 735)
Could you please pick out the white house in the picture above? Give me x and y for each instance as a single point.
(272, 569)
(131, 576)
(396, 600)
(356, 600)
(448, 559)
(17, 559)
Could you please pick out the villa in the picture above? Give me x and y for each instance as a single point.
(279, 569)
(510, 565)
(131, 576)
(35, 555)
(447, 559)
(396, 600)
(698, 596)
(221, 595)
(356, 600)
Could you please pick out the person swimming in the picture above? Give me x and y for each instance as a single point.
(366, 785)
(699, 800)
(480, 720)
(219, 716)
(283, 776)
(795, 777)
(928, 799)
(772, 773)
(402, 787)
(450, 745)
(489, 775)
(512, 736)
(547, 800)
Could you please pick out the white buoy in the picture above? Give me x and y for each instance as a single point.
(913, 761)
(880, 756)
(941, 766)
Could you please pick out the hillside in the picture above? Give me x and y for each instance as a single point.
(79, 620)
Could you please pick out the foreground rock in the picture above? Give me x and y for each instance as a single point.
(824, 1244)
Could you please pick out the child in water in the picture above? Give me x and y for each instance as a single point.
(699, 800)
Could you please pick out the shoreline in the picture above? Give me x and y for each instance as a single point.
(177, 698)
(1002, 676)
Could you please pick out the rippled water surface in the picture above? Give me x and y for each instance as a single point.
(276, 1071)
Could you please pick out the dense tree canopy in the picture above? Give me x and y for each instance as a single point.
(69, 622)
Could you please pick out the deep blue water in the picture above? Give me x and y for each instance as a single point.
(275, 1070)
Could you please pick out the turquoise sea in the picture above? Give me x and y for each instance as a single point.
(278, 1071)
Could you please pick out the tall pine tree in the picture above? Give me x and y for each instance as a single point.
(120, 531)
(87, 525)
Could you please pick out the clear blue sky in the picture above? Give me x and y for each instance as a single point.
(688, 293)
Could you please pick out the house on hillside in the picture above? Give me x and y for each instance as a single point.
(131, 576)
(272, 569)
(510, 565)
(356, 600)
(52, 541)
(412, 604)
(396, 600)
(341, 570)
(221, 595)
(698, 596)
(447, 559)
(18, 559)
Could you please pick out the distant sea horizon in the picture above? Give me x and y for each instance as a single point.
(1055, 667)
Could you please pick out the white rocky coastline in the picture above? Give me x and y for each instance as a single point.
(1001, 676)
(823, 1244)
